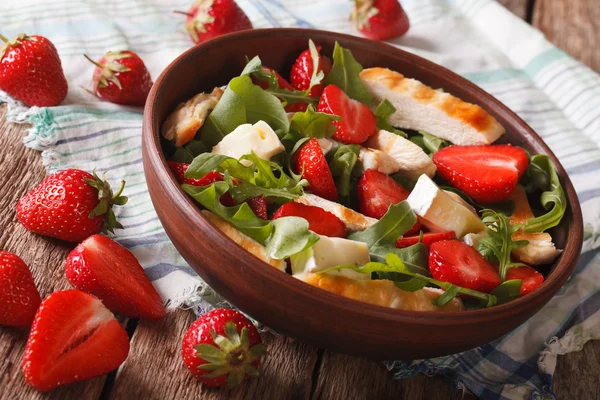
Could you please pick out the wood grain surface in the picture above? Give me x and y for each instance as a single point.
(293, 370)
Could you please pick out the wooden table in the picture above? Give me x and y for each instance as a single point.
(293, 370)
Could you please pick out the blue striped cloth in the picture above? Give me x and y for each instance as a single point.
(556, 95)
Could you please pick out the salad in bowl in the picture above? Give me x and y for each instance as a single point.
(368, 184)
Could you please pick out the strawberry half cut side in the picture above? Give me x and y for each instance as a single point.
(73, 338)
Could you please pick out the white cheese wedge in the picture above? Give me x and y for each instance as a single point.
(377, 160)
(249, 244)
(382, 293)
(541, 249)
(410, 158)
(246, 138)
(422, 108)
(330, 252)
(440, 211)
(354, 220)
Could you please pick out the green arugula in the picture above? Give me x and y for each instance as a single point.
(283, 237)
(341, 164)
(429, 143)
(187, 152)
(507, 291)
(383, 112)
(345, 75)
(542, 175)
(243, 102)
(499, 243)
(311, 123)
(394, 266)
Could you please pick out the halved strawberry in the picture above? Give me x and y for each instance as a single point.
(102, 267)
(302, 71)
(319, 220)
(259, 206)
(460, 264)
(19, 298)
(316, 170)
(377, 192)
(73, 338)
(428, 239)
(530, 277)
(358, 121)
(179, 169)
(488, 174)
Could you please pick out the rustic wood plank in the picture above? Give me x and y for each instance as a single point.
(154, 369)
(573, 26)
(517, 7)
(577, 374)
(20, 170)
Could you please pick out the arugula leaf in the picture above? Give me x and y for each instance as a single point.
(499, 243)
(187, 152)
(243, 102)
(407, 183)
(204, 163)
(341, 165)
(429, 143)
(317, 75)
(345, 75)
(283, 237)
(243, 191)
(394, 266)
(384, 110)
(397, 220)
(289, 237)
(508, 291)
(253, 66)
(314, 124)
(553, 198)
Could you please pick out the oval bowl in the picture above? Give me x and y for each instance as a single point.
(288, 305)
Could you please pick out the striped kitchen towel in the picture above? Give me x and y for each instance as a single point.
(556, 95)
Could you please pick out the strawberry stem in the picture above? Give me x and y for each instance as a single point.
(3, 38)
(96, 63)
(120, 190)
(183, 13)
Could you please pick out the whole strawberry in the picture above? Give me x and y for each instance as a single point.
(121, 77)
(208, 19)
(31, 72)
(222, 347)
(380, 19)
(19, 299)
(70, 205)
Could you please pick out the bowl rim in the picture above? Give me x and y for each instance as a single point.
(562, 270)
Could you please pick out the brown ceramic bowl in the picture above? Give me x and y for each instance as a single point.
(293, 307)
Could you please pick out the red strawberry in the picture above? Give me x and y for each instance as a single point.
(31, 72)
(179, 169)
(319, 220)
(102, 267)
(222, 347)
(208, 19)
(488, 174)
(259, 206)
(458, 263)
(302, 71)
(19, 299)
(316, 170)
(428, 239)
(73, 338)
(380, 19)
(358, 121)
(70, 205)
(121, 77)
(530, 277)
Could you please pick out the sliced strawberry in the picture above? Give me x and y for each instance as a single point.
(488, 174)
(319, 221)
(73, 338)
(428, 239)
(259, 206)
(316, 170)
(302, 71)
(460, 264)
(530, 277)
(102, 267)
(19, 298)
(179, 169)
(358, 121)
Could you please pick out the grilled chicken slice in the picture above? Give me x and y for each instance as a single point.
(422, 108)
(411, 159)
